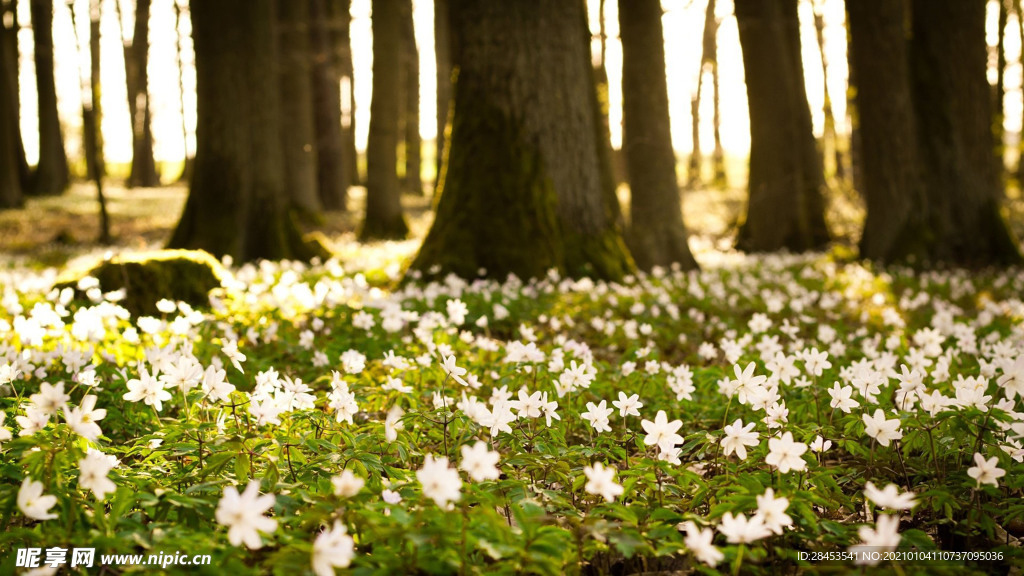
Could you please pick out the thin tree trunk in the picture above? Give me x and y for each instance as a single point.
(708, 59)
(333, 189)
(442, 56)
(97, 168)
(298, 134)
(999, 92)
(657, 236)
(831, 151)
(136, 59)
(893, 192)
(953, 102)
(384, 218)
(186, 169)
(10, 183)
(785, 208)
(719, 178)
(410, 128)
(51, 175)
(342, 41)
(238, 205)
(527, 183)
(11, 7)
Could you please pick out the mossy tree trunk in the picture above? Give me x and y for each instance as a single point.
(953, 103)
(136, 60)
(657, 236)
(9, 9)
(51, 173)
(526, 185)
(384, 218)
(785, 208)
(410, 117)
(237, 204)
(298, 133)
(331, 184)
(10, 183)
(892, 189)
(443, 61)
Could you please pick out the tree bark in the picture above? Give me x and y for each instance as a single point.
(332, 187)
(51, 173)
(11, 7)
(93, 130)
(657, 236)
(136, 60)
(338, 12)
(410, 117)
(298, 133)
(384, 218)
(238, 205)
(831, 150)
(999, 92)
(186, 169)
(953, 103)
(10, 183)
(443, 60)
(527, 184)
(785, 208)
(892, 190)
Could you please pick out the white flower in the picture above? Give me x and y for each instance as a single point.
(148, 389)
(33, 503)
(479, 462)
(786, 454)
(883, 537)
(699, 542)
(448, 364)
(82, 419)
(842, 397)
(738, 437)
(628, 405)
(353, 361)
(528, 405)
(230, 349)
(986, 471)
(746, 383)
(738, 530)
(597, 415)
(772, 511)
(393, 423)
(332, 549)
(890, 497)
(33, 421)
(50, 399)
(440, 482)
(215, 387)
(885, 431)
(347, 484)
(661, 432)
(601, 481)
(92, 474)
(820, 444)
(243, 515)
(185, 374)
(549, 409)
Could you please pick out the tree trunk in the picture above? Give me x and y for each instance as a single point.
(893, 192)
(51, 174)
(953, 102)
(999, 92)
(11, 36)
(332, 187)
(527, 183)
(410, 128)
(10, 183)
(93, 130)
(719, 178)
(186, 169)
(238, 205)
(657, 236)
(831, 151)
(443, 60)
(136, 59)
(786, 208)
(341, 38)
(298, 134)
(384, 218)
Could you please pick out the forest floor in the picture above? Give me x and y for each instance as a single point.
(51, 231)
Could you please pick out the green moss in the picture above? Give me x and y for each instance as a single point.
(185, 275)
